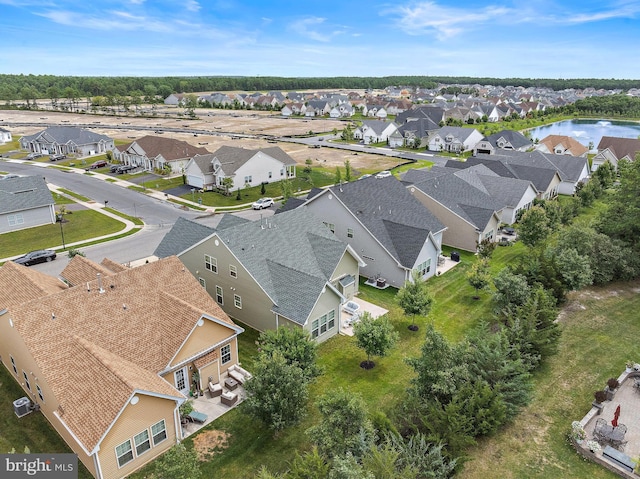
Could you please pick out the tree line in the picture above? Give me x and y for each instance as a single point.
(20, 87)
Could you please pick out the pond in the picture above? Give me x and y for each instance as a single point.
(588, 131)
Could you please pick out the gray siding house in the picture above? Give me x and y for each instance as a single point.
(67, 140)
(25, 202)
(459, 201)
(288, 270)
(387, 227)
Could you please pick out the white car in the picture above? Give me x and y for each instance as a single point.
(384, 174)
(262, 203)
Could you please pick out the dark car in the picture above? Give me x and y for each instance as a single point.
(57, 157)
(33, 156)
(34, 257)
(124, 169)
(508, 230)
(97, 164)
(114, 168)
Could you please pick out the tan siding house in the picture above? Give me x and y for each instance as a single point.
(107, 355)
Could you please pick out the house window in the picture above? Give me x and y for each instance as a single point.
(237, 301)
(16, 219)
(211, 263)
(26, 379)
(233, 271)
(424, 268)
(203, 283)
(181, 384)
(225, 353)
(158, 432)
(323, 324)
(270, 175)
(142, 442)
(219, 295)
(488, 234)
(13, 365)
(124, 453)
(248, 179)
(39, 393)
(331, 226)
(349, 232)
(281, 171)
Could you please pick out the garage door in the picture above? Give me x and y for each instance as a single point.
(195, 181)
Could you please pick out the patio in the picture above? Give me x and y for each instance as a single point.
(212, 407)
(346, 318)
(628, 398)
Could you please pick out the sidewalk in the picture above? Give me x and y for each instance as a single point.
(100, 208)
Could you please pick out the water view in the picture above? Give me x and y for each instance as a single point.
(588, 131)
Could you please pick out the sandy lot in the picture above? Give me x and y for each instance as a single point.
(227, 123)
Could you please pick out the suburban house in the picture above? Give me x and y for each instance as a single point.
(454, 139)
(376, 111)
(287, 270)
(532, 166)
(413, 130)
(174, 99)
(387, 227)
(244, 167)
(503, 140)
(25, 201)
(470, 214)
(108, 358)
(374, 131)
(317, 108)
(5, 136)
(293, 108)
(342, 110)
(67, 140)
(158, 153)
(562, 145)
(614, 149)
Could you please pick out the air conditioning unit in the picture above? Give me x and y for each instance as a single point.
(22, 406)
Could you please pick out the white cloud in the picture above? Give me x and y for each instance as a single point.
(192, 6)
(445, 22)
(314, 28)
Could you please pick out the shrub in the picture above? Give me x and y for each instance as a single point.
(613, 383)
(600, 396)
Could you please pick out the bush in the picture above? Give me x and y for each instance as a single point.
(613, 383)
(600, 396)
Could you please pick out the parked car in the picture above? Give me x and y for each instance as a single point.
(124, 168)
(97, 164)
(34, 257)
(384, 174)
(57, 157)
(114, 168)
(33, 156)
(508, 230)
(262, 203)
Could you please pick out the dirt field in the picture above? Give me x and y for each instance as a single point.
(224, 121)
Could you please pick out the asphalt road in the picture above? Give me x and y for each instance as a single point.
(158, 215)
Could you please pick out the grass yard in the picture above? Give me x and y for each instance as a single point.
(317, 178)
(600, 331)
(80, 225)
(32, 431)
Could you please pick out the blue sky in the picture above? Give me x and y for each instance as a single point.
(512, 38)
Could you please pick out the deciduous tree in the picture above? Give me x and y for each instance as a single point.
(374, 336)
(414, 298)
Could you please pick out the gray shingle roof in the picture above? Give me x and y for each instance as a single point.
(456, 191)
(232, 157)
(384, 207)
(66, 134)
(23, 193)
(515, 138)
(292, 255)
(184, 234)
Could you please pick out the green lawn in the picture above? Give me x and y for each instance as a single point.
(317, 178)
(600, 331)
(32, 431)
(80, 225)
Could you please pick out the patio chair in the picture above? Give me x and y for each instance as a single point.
(196, 416)
(228, 398)
(215, 389)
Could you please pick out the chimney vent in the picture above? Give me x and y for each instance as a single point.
(100, 289)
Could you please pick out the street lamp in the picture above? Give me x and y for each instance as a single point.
(61, 218)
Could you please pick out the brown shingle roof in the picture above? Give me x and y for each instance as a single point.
(112, 265)
(81, 270)
(19, 284)
(95, 348)
(621, 147)
(169, 148)
(574, 146)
